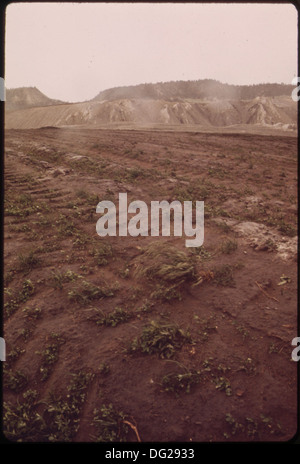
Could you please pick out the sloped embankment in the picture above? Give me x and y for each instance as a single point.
(278, 112)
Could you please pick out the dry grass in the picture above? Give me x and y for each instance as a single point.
(167, 268)
(163, 262)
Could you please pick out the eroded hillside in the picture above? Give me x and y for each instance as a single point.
(201, 105)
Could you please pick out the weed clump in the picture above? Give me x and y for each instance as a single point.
(22, 421)
(164, 262)
(223, 276)
(229, 246)
(118, 316)
(18, 297)
(22, 205)
(163, 340)
(28, 262)
(110, 424)
(59, 278)
(88, 292)
(50, 355)
(101, 253)
(15, 381)
(62, 414)
(169, 269)
(57, 421)
(177, 383)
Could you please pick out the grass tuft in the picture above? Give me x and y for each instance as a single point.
(163, 340)
(169, 269)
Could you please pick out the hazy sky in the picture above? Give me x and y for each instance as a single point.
(73, 51)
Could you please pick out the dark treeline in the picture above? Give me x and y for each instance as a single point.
(206, 88)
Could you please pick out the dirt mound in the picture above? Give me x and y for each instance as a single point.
(27, 97)
(206, 103)
(279, 112)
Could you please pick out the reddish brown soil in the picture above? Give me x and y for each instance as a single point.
(241, 333)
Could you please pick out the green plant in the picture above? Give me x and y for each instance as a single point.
(274, 428)
(177, 383)
(59, 278)
(248, 366)
(50, 355)
(80, 239)
(124, 273)
(161, 339)
(287, 229)
(48, 247)
(42, 221)
(62, 414)
(217, 171)
(110, 424)
(101, 253)
(104, 368)
(26, 332)
(195, 191)
(228, 246)
(15, 381)
(28, 262)
(21, 421)
(22, 205)
(13, 355)
(252, 427)
(242, 330)
(167, 267)
(205, 326)
(32, 313)
(222, 383)
(146, 308)
(202, 252)
(235, 426)
(88, 292)
(131, 174)
(223, 276)
(65, 226)
(19, 297)
(19, 228)
(166, 293)
(274, 348)
(118, 316)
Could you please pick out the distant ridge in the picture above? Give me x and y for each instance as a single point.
(198, 89)
(27, 97)
(204, 104)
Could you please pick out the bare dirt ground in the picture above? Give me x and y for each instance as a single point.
(103, 347)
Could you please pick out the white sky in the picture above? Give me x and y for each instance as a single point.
(72, 51)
